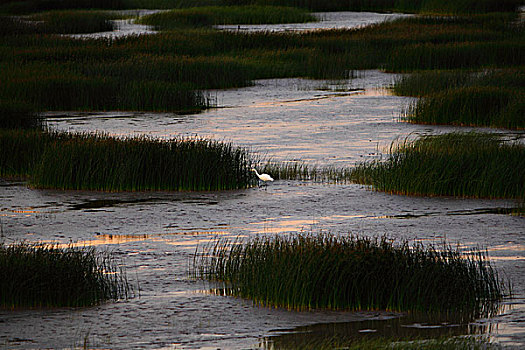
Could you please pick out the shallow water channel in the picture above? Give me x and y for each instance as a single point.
(155, 233)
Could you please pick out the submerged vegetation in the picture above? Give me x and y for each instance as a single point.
(348, 272)
(37, 275)
(455, 164)
(101, 162)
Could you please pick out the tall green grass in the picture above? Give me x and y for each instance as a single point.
(15, 114)
(101, 162)
(73, 22)
(22, 151)
(207, 16)
(473, 106)
(167, 71)
(48, 276)
(435, 6)
(306, 271)
(455, 164)
(31, 6)
(492, 98)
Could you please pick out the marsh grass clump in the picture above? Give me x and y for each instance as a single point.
(433, 6)
(22, 151)
(100, 162)
(471, 106)
(37, 275)
(213, 15)
(73, 22)
(305, 271)
(457, 164)
(15, 115)
(489, 98)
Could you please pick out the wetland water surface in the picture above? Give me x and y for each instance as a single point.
(156, 233)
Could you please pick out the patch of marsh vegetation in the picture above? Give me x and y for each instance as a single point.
(38, 275)
(471, 164)
(101, 162)
(18, 115)
(168, 71)
(490, 98)
(414, 6)
(71, 22)
(306, 271)
(214, 15)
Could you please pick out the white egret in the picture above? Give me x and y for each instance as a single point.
(263, 177)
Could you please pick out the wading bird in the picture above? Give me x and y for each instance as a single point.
(263, 177)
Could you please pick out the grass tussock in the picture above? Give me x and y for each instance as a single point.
(101, 162)
(455, 164)
(214, 15)
(305, 271)
(71, 22)
(417, 6)
(47, 276)
(492, 98)
(15, 115)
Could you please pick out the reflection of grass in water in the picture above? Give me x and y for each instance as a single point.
(413, 330)
(456, 164)
(455, 343)
(47, 276)
(100, 162)
(207, 16)
(305, 271)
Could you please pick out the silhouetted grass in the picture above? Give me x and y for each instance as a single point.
(456, 164)
(34, 275)
(32, 6)
(208, 16)
(434, 6)
(73, 22)
(18, 115)
(22, 151)
(306, 271)
(100, 162)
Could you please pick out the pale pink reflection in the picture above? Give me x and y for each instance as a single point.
(281, 225)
